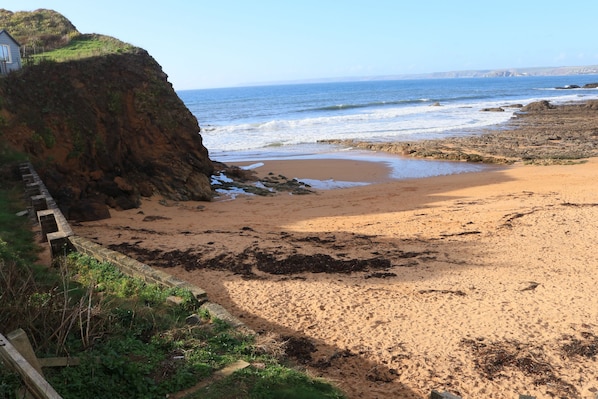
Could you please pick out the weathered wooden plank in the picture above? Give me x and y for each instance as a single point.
(36, 384)
(18, 338)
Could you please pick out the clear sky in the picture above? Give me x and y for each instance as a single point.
(220, 43)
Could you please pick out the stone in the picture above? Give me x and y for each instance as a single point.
(444, 395)
(567, 87)
(123, 185)
(96, 175)
(175, 300)
(145, 189)
(87, 211)
(537, 106)
(193, 319)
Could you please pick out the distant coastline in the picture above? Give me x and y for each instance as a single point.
(482, 73)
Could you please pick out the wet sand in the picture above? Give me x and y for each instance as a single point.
(480, 284)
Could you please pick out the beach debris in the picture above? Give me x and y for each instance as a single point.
(494, 359)
(317, 263)
(154, 218)
(381, 275)
(580, 205)
(586, 347)
(299, 348)
(379, 373)
(532, 286)
(461, 233)
(453, 292)
(326, 362)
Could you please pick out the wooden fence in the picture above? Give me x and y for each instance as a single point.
(16, 352)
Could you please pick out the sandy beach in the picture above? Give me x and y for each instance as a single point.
(480, 284)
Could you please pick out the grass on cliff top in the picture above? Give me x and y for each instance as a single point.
(84, 46)
(131, 341)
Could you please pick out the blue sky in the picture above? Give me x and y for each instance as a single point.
(220, 43)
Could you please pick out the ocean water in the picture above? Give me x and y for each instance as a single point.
(288, 121)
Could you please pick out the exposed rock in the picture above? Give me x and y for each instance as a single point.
(193, 319)
(105, 130)
(123, 185)
(145, 189)
(87, 210)
(537, 106)
(567, 87)
(494, 109)
(590, 86)
(535, 136)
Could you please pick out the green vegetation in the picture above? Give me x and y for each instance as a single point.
(46, 35)
(37, 31)
(132, 339)
(16, 240)
(8, 156)
(84, 46)
(272, 383)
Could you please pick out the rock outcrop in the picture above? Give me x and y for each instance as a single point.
(104, 131)
(536, 106)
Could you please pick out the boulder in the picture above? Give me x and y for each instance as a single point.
(567, 87)
(538, 106)
(88, 210)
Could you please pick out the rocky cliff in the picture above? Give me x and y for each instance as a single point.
(104, 131)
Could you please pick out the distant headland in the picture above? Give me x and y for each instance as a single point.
(482, 73)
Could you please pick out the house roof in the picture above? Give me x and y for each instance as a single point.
(9, 35)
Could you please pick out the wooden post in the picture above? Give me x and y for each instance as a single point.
(18, 338)
(36, 384)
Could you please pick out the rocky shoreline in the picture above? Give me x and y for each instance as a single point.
(534, 135)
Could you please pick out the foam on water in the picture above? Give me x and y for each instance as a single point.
(291, 121)
(378, 125)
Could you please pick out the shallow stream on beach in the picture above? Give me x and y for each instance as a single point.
(400, 167)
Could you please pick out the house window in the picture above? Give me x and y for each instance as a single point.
(5, 54)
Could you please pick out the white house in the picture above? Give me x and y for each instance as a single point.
(10, 55)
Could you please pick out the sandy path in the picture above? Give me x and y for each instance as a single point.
(490, 276)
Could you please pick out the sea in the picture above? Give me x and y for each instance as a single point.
(289, 121)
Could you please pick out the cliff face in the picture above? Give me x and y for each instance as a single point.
(104, 131)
